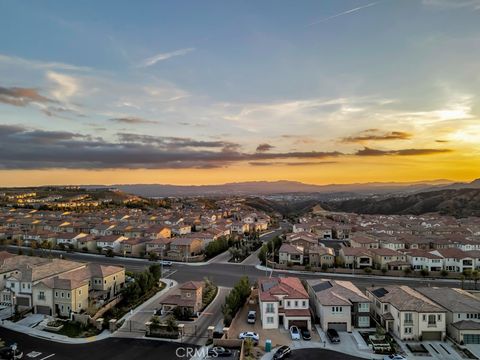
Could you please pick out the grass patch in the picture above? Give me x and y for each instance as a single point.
(75, 329)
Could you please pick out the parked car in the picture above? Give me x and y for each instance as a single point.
(333, 336)
(165, 263)
(11, 352)
(306, 334)
(282, 353)
(394, 357)
(251, 317)
(295, 333)
(218, 351)
(250, 335)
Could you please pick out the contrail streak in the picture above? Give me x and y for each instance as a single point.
(343, 13)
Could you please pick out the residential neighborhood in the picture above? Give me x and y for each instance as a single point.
(325, 280)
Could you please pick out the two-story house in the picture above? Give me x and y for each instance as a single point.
(338, 305)
(283, 302)
(406, 313)
(463, 312)
(189, 297)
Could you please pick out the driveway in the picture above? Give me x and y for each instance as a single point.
(197, 331)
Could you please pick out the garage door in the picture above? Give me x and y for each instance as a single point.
(23, 301)
(432, 335)
(299, 323)
(45, 310)
(471, 339)
(338, 326)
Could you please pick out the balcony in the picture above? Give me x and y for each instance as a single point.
(430, 325)
(408, 322)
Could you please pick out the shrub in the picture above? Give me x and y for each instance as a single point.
(367, 270)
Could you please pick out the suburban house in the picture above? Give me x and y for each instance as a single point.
(55, 286)
(356, 258)
(384, 256)
(423, 259)
(283, 302)
(339, 305)
(185, 247)
(406, 313)
(188, 298)
(463, 312)
(290, 254)
(88, 243)
(156, 232)
(359, 240)
(304, 240)
(455, 259)
(321, 255)
(134, 247)
(159, 245)
(111, 242)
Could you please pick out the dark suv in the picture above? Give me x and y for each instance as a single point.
(333, 336)
(282, 353)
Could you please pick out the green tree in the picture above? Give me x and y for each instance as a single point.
(407, 271)
(384, 270)
(424, 272)
(109, 253)
(367, 270)
(156, 272)
(443, 273)
(152, 256)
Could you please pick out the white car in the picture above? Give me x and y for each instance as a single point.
(249, 335)
(295, 333)
(394, 357)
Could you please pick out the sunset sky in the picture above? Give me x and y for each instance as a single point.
(206, 92)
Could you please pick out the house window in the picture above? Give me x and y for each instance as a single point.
(80, 292)
(408, 318)
(304, 303)
(269, 319)
(62, 294)
(439, 317)
(431, 320)
(424, 317)
(296, 303)
(288, 303)
(270, 308)
(41, 295)
(68, 295)
(23, 286)
(188, 294)
(385, 307)
(337, 309)
(408, 330)
(79, 305)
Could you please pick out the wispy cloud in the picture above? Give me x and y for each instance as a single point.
(132, 120)
(343, 13)
(37, 64)
(376, 135)
(402, 152)
(453, 4)
(18, 96)
(164, 56)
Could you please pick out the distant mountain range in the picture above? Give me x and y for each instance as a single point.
(286, 187)
(456, 202)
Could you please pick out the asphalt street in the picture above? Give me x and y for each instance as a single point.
(316, 354)
(112, 348)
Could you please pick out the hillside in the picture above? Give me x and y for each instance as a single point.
(276, 187)
(285, 208)
(458, 203)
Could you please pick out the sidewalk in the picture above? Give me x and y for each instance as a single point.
(353, 276)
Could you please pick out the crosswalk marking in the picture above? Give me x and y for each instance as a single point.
(46, 357)
(34, 354)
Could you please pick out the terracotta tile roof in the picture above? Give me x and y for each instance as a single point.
(289, 287)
